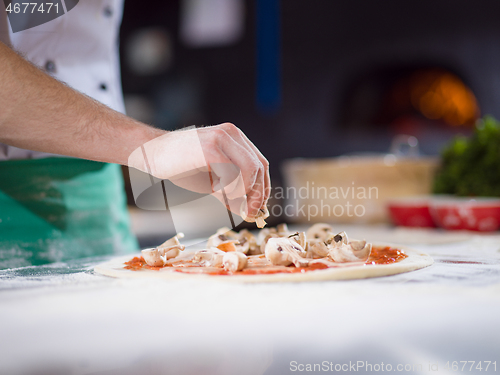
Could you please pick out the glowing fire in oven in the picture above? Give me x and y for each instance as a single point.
(441, 95)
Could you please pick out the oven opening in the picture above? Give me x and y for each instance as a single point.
(431, 103)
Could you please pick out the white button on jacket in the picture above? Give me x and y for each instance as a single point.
(79, 48)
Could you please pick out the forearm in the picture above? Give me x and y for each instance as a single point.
(40, 113)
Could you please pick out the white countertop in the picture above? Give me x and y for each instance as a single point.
(64, 319)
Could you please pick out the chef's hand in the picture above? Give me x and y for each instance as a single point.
(217, 159)
(66, 122)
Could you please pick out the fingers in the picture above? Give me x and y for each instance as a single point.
(252, 173)
(255, 197)
(220, 148)
(238, 135)
(187, 157)
(259, 188)
(253, 166)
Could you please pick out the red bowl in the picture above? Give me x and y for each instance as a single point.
(411, 212)
(476, 214)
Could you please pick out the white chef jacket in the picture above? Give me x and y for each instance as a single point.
(79, 48)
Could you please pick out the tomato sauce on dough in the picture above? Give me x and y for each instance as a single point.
(378, 255)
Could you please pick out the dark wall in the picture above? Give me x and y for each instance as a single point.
(326, 46)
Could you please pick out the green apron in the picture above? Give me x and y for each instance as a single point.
(56, 209)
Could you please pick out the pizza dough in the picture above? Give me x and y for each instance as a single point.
(415, 260)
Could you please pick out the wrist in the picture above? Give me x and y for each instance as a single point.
(140, 136)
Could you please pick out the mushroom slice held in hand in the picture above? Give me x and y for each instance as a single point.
(259, 219)
(284, 251)
(261, 216)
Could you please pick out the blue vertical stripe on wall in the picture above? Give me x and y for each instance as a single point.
(268, 56)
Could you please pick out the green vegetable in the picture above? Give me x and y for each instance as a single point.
(471, 166)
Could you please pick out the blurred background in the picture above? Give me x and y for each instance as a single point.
(315, 79)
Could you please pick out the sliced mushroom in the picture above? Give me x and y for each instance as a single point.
(282, 230)
(338, 239)
(341, 250)
(171, 247)
(358, 245)
(284, 251)
(171, 252)
(342, 254)
(234, 261)
(361, 249)
(153, 258)
(222, 235)
(265, 234)
(261, 216)
(259, 219)
(317, 249)
(266, 239)
(319, 231)
(247, 243)
(210, 257)
(300, 238)
(173, 242)
(256, 251)
(158, 256)
(275, 253)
